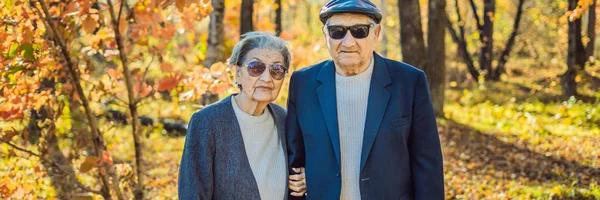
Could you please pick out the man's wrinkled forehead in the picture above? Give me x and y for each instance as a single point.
(349, 19)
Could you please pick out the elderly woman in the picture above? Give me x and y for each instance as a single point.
(235, 148)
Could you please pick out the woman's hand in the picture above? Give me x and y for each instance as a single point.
(298, 182)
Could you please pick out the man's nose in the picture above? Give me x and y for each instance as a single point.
(349, 40)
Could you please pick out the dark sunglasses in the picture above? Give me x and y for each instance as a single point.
(358, 31)
(257, 68)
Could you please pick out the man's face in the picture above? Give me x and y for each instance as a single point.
(350, 52)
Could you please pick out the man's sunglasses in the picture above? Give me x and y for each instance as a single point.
(358, 31)
(257, 68)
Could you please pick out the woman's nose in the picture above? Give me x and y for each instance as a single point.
(266, 76)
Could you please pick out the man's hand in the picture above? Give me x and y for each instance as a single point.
(298, 182)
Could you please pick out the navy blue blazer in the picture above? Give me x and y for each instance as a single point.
(401, 154)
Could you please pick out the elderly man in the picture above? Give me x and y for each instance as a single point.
(362, 125)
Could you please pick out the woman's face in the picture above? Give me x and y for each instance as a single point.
(262, 88)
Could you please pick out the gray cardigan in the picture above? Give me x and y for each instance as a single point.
(214, 164)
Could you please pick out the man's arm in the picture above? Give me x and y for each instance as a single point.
(424, 145)
(196, 169)
(295, 140)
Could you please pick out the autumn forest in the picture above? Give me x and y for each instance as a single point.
(95, 96)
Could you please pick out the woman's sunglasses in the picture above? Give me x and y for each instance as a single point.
(358, 31)
(257, 68)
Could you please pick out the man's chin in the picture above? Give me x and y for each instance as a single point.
(347, 64)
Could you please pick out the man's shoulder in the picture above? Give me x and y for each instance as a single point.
(312, 70)
(397, 67)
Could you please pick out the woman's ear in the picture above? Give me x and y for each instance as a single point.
(237, 71)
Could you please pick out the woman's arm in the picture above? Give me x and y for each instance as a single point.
(196, 180)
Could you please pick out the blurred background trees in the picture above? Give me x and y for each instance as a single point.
(96, 94)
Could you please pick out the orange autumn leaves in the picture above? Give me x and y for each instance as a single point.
(191, 84)
(92, 162)
(582, 7)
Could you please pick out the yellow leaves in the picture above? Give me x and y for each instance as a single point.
(89, 24)
(88, 164)
(168, 83)
(578, 78)
(91, 162)
(8, 135)
(180, 4)
(114, 74)
(106, 158)
(123, 25)
(218, 69)
(166, 67)
(144, 91)
(582, 7)
(219, 88)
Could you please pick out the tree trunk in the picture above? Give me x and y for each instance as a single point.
(246, 16)
(59, 168)
(485, 58)
(74, 75)
(215, 48)
(575, 55)
(500, 69)
(411, 33)
(436, 52)
(591, 30)
(278, 27)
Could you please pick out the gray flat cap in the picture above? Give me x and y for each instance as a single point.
(350, 6)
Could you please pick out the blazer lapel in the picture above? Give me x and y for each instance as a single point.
(327, 100)
(377, 104)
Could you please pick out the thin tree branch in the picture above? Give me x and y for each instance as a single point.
(93, 124)
(462, 50)
(20, 148)
(121, 8)
(139, 190)
(139, 98)
(477, 20)
(500, 68)
(461, 25)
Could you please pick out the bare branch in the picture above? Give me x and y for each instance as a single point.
(20, 148)
(462, 50)
(138, 98)
(500, 68)
(477, 20)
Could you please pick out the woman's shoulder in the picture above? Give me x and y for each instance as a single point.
(278, 110)
(212, 112)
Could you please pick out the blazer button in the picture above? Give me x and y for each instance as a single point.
(338, 174)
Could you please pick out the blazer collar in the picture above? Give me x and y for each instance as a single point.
(380, 71)
(377, 104)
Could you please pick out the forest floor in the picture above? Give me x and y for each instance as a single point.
(514, 139)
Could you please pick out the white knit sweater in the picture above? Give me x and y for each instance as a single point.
(352, 99)
(264, 151)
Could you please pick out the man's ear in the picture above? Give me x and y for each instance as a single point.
(378, 31)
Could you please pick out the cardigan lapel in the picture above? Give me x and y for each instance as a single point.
(246, 175)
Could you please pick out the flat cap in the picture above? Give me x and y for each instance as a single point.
(350, 6)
